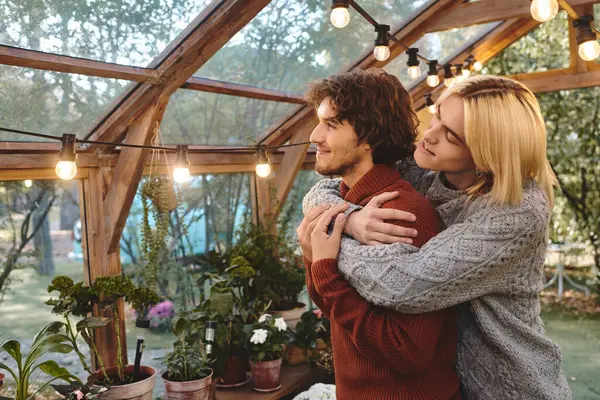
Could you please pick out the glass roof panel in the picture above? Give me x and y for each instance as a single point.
(127, 32)
(203, 118)
(292, 42)
(441, 46)
(52, 103)
(543, 49)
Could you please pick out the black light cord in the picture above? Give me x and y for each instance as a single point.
(139, 146)
(373, 22)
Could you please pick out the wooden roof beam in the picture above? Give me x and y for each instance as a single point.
(72, 65)
(484, 11)
(213, 28)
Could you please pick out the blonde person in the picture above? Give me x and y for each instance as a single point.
(492, 185)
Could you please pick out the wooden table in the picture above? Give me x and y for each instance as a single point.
(293, 379)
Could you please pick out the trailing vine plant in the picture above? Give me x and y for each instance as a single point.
(155, 204)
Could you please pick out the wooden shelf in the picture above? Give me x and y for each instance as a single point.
(293, 379)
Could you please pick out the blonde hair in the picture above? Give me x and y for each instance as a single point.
(506, 134)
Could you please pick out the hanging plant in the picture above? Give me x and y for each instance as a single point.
(155, 203)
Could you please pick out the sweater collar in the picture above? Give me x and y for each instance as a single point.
(378, 178)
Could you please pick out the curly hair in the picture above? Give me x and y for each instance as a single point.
(377, 106)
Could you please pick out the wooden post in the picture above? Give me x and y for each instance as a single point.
(98, 262)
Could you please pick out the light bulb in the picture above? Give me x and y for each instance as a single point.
(466, 73)
(459, 78)
(433, 80)
(340, 17)
(381, 53)
(28, 183)
(66, 170)
(544, 10)
(181, 175)
(589, 50)
(477, 66)
(431, 108)
(263, 170)
(414, 72)
(449, 81)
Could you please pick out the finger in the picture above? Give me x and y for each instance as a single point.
(338, 227)
(390, 213)
(325, 219)
(373, 243)
(338, 208)
(387, 239)
(316, 212)
(394, 230)
(378, 200)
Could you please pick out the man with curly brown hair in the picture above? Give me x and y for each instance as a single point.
(366, 125)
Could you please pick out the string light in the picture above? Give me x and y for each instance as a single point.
(414, 71)
(429, 103)
(382, 43)
(28, 183)
(459, 73)
(449, 78)
(544, 10)
(589, 48)
(433, 80)
(466, 68)
(181, 172)
(477, 66)
(340, 15)
(263, 168)
(66, 168)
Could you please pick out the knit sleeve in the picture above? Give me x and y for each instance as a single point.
(418, 177)
(326, 191)
(479, 256)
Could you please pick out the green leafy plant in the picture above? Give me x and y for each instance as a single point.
(311, 327)
(79, 300)
(48, 340)
(268, 339)
(188, 361)
(279, 274)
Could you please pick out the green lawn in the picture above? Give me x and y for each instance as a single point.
(579, 339)
(24, 313)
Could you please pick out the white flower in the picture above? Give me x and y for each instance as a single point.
(280, 324)
(259, 336)
(263, 317)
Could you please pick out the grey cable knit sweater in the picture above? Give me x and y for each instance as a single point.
(489, 262)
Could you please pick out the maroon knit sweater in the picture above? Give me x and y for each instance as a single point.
(378, 353)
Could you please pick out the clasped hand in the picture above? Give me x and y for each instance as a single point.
(368, 226)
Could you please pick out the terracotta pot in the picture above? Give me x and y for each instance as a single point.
(235, 369)
(141, 390)
(316, 352)
(291, 317)
(266, 375)
(192, 390)
(294, 355)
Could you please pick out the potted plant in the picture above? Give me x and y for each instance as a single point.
(267, 345)
(124, 381)
(307, 338)
(279, 270)
(233, 304)
(48, 340)
(188, 376)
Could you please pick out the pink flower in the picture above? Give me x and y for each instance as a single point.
(78, 394)
(1, 379)
(318, 313)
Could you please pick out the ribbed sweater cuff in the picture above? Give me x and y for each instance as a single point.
(324, 276)
(307, 262)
